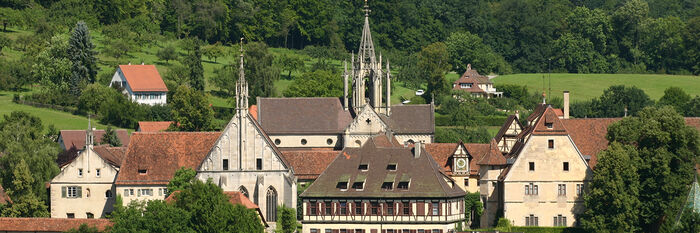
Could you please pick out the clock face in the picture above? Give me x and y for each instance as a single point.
(461, 163)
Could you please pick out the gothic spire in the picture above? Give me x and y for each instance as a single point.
(241, 85)
(366, 52)
(240, 69)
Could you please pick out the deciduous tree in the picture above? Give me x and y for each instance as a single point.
(191, 110)
(319, 83)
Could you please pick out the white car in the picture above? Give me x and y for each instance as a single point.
(406, 101)
(420, 92)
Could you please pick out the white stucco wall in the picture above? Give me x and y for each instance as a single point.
(150, 98)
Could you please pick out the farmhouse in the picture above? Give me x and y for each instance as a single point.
(475, 84)
(142, 83)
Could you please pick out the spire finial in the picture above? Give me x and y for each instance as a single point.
(366, 10)
(242, 74)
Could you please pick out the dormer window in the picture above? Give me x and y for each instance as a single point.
(391, 167)
(142, 171)
(343, 185)
(549, 125)
(363, 167)
(387, 185)
(358, 185)
(402, 185)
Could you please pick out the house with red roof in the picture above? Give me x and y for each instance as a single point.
(142, 83)
(153, 126)
(476, 84)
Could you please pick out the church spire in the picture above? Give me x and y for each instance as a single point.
(366, 52)
(89, 135)
(241, 85)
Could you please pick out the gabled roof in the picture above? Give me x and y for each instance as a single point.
(154, 126)
(443, 152)
(76, 138)
(589, 135)
(111, 155)
(493, 157)
(50, 224)
(411, 119)
(143, 78)
(506, 126)
(537, 112)
(161, 154)
(549, 118)
(4, 198)
(425, 175)
(473, 77)
(307, 115)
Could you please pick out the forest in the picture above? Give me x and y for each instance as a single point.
(520, 36)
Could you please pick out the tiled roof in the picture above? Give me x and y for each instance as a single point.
(425, 175)
(411, 119)
(162, 153)
(549, 117)
(154, 126)
(253, 111)
(442, 154)
(50, 224)
(493, 157)
(112, 155)
(473, 77)
(506, 126)
(77, 137)
(558, 112)
(143, 78)
(537, 112)
(4, 198)
(589, 135)
(309, 164)
(302, 115)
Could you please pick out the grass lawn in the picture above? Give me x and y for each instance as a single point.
(60, 119)
(588, 86)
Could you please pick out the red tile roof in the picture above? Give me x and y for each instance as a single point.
(558, 112)
(494, 157)
(589, 135)
(112, 155)
(143, 78)
(161, 154)
(442, 152)
(50, 224)
(253, 110)
(4, 198)
(77, 137)
(154, 126)
(309, 164)
(473, 77)
(549, 117)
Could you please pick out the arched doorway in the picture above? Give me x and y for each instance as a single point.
(271, 201)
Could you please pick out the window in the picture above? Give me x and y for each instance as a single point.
(313, 207)
(258, 164)
(343, 230)
(549, 125)
(436, 231)
(97, 172)
(343, 208)
(359, 231)
(531, 220)
(70, 215)
(358, 185)
(579, 189)
(566, 166)
(402, 185)
(561, 190)
(375, 207)
(390, 231)
(303, 141)
(243, 190)
(277, 141)
(342, 186)
(435, 207)
(329, 231)
(531, 189)
(391, 167)
(329, 141)
(358, 208)
(146, 192)
(163, 191)
(89, 215)
(527, 189)
(465, 85)
(108, 194)
(390, 208)
(225, 164)
(329, 208)
(271, 199)
(550, 143)
(80, 172)
(466, 182)
(559, 221)
(142, 171)
(73, 192)
(388, 185)
(532, 166)
(363, 167)
(314, 230)
(406, 206)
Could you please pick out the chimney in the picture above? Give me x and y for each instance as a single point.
(566, 104)
(417, 148)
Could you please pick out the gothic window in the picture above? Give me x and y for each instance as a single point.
(243, 190)
(271, 215)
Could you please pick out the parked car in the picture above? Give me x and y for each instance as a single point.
(420, 92)
(406, 101)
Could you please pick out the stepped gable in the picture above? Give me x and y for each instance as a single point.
(76, 138)
(160, 154)
(425, 175)
(50, 224)
(302, 115)
(410, 119)
(154, 126)
(143, 78)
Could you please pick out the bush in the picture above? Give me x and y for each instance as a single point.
(503, 224)
(490, 120)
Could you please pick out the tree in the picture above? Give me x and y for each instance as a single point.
(191, 110)
(118, 48)
(465, 48)
(473, 208)
(676, 97)
(435, 61)
(668, 148)
(287, 222)
(81, 53)
(319, 83)
(612, 201)
(260, 72)
(4, 42)
(94, 96)
(121, 112)
(616, 98)
(578, 55)
(167, 53)
(290, 64)
(154, 216)
(183, 178)
(84, 228)
(193, 62)
(225, 79)
(693, 107)
(25, 202)
(110, 137)
(213, 51)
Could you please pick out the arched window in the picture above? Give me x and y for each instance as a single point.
(271, 212)
(108, 194)
(244, 191)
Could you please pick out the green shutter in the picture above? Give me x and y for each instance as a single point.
(80, 192)
(63, 191)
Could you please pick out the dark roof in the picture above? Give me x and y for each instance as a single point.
(309, 164)
(302, 115)
(50, 224)
(4, 198)
(77, 137)
(537, 112)
(425, 175)
(410, 119)
(161, 154)
(112, 155)
(143, 78)
(442, 154)
(154, 126)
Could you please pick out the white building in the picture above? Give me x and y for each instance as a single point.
(142, 83)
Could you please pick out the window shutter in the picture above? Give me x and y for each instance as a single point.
(80, 192)
(308, 208)
(63, 191)
(399, 211)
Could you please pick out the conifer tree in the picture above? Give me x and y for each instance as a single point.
(193, 62)
(110, 137)
(81, 53)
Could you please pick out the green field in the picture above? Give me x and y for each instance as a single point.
(588, 86)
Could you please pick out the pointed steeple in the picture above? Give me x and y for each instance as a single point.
(241, 86)
(89, 135)
(366, 51)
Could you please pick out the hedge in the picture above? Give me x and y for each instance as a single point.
(446, 120)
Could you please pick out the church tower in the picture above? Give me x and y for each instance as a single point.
(241, 88)
(366, 72)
